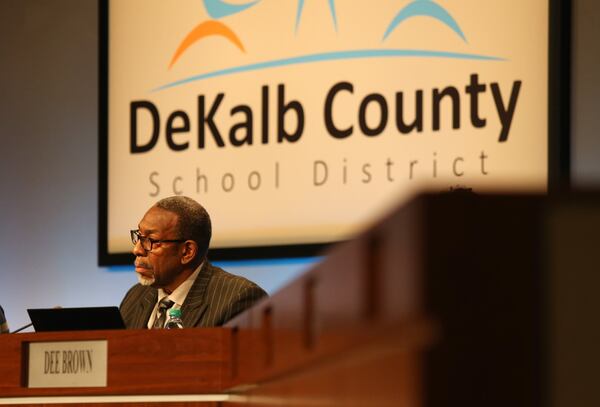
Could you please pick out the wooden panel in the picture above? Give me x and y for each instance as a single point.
(398, 252)
(184, 361)
(483, 283)
(363, 289)
(462, 271)
(385, 372)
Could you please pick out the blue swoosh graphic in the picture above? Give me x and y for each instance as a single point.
(299, 13)
(218, 8)
(329, 56)
(331, 10)
(333, 14)
(424, 8)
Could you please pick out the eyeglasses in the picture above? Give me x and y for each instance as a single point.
(147, 242)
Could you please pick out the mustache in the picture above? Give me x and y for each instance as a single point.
(142, 264)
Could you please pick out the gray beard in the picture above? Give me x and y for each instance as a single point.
(145, 281)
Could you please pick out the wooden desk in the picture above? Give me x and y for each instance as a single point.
(146, 363)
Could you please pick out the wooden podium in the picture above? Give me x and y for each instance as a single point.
(438, 304)
(152, 365)
(443, 302)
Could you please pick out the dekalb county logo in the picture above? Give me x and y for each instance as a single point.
(219, 10)
(260, 112)
(325, 91)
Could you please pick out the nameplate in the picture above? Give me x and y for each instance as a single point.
(68, 364)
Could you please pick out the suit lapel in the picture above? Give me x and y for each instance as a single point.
(194, 305)
(145, 309)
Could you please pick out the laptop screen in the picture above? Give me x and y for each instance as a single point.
(75, 319)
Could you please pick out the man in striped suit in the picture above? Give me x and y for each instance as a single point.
(170, 246)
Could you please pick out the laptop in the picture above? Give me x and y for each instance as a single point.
(75, 319)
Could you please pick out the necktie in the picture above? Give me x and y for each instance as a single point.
(161, 317)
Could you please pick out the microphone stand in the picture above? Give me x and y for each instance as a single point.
(30, 324)
(21, 328)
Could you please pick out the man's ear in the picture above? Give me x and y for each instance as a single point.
(190, 249)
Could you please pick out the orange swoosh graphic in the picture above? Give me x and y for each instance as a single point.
(206, 29)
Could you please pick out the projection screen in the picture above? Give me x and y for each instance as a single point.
(297, 123)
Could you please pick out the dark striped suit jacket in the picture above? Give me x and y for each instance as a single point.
(215, 297)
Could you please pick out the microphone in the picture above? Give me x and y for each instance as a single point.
(31, 323)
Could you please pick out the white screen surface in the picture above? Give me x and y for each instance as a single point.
(299, 122)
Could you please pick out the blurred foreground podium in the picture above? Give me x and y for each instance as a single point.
(453, 299)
